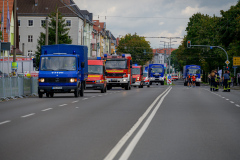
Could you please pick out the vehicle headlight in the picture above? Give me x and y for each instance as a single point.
(124, 80)
(73, 80)
(42, 80)
(137, 78)
(152, 78)
(99, 81)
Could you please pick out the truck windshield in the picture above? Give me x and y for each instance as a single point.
(135, 71)
(95, 69)
(58, 64)
(116, 64)
(157, 70)
(194, 71)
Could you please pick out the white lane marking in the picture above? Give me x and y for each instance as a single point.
(46, 109)
(135, 140)
(93, 96)
(62, 105)
(4, 122)
(231, 102)
(237, 105)
(223, 97)
(77, 107)
(74, 101)
(124, 139)
(28, 115)
(99, 95)
(227, 99)
(105, 94)
(85, 98)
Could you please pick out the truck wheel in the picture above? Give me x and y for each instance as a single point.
(150, 83)
(148, 86)
(127, 87)
(76, 93)
(109, 87)
(105, 89)
(102, 90)
(40, 95)
(82, 90)
(47, 95)
(51, 95)
(162, 83)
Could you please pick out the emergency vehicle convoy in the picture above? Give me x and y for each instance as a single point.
(192, 70)
(118, 71)
(155, 73)
(63, 68)
(137, 76)
(96, 75)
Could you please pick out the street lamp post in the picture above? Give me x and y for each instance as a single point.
(56, 39)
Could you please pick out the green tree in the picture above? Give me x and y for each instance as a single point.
(137, 46)
(63, 31)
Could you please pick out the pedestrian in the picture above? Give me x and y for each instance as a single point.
(225, 81)
(229, 81)
(193, 80)
(212, 80)
(189, 80)
(217, 78)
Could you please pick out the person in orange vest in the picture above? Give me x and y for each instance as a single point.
(193, 81)
(189, 80)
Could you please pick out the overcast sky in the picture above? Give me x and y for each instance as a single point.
(151, 18)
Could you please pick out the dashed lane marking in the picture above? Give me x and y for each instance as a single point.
(75, 101)
(231, 102)
(62, 105)
(46, 109)
(4, 122)
(85, 98)
(28, 115)
(227, 99)
(237, 105)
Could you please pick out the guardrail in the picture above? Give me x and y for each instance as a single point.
(12, 87)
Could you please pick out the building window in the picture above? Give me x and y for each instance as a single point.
(68, 22)
(30, 23)
(43, 23)
(19, 23)
(30, 52)
(69, 37)
(30, 38)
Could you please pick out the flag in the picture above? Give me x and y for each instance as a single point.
(8, 20)
(2, 20)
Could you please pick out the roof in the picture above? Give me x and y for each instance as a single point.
(10, 4)
(158, 50)
(44, 7)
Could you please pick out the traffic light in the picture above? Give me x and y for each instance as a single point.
(227, 68)
(188, 44)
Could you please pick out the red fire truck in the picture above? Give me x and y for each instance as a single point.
(118, 70)
(96, 75)
(137, 76)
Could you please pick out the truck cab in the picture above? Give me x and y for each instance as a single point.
(96, 75)
(118, 70)
(62, 69)
(137, 76)
(192, 70)
(156, 73)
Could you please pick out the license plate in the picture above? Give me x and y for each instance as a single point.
(89, 85)
(56, 87)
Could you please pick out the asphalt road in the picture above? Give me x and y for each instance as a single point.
(157, 123)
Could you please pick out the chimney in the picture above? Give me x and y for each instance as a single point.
(36, 2)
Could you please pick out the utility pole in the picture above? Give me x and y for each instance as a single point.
(46, 38)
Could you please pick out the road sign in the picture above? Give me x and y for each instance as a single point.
(227, 62)
(169, 79)
(236, 61)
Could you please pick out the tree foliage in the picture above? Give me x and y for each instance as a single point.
(137, 46)
(63, 31)
(208, 30)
